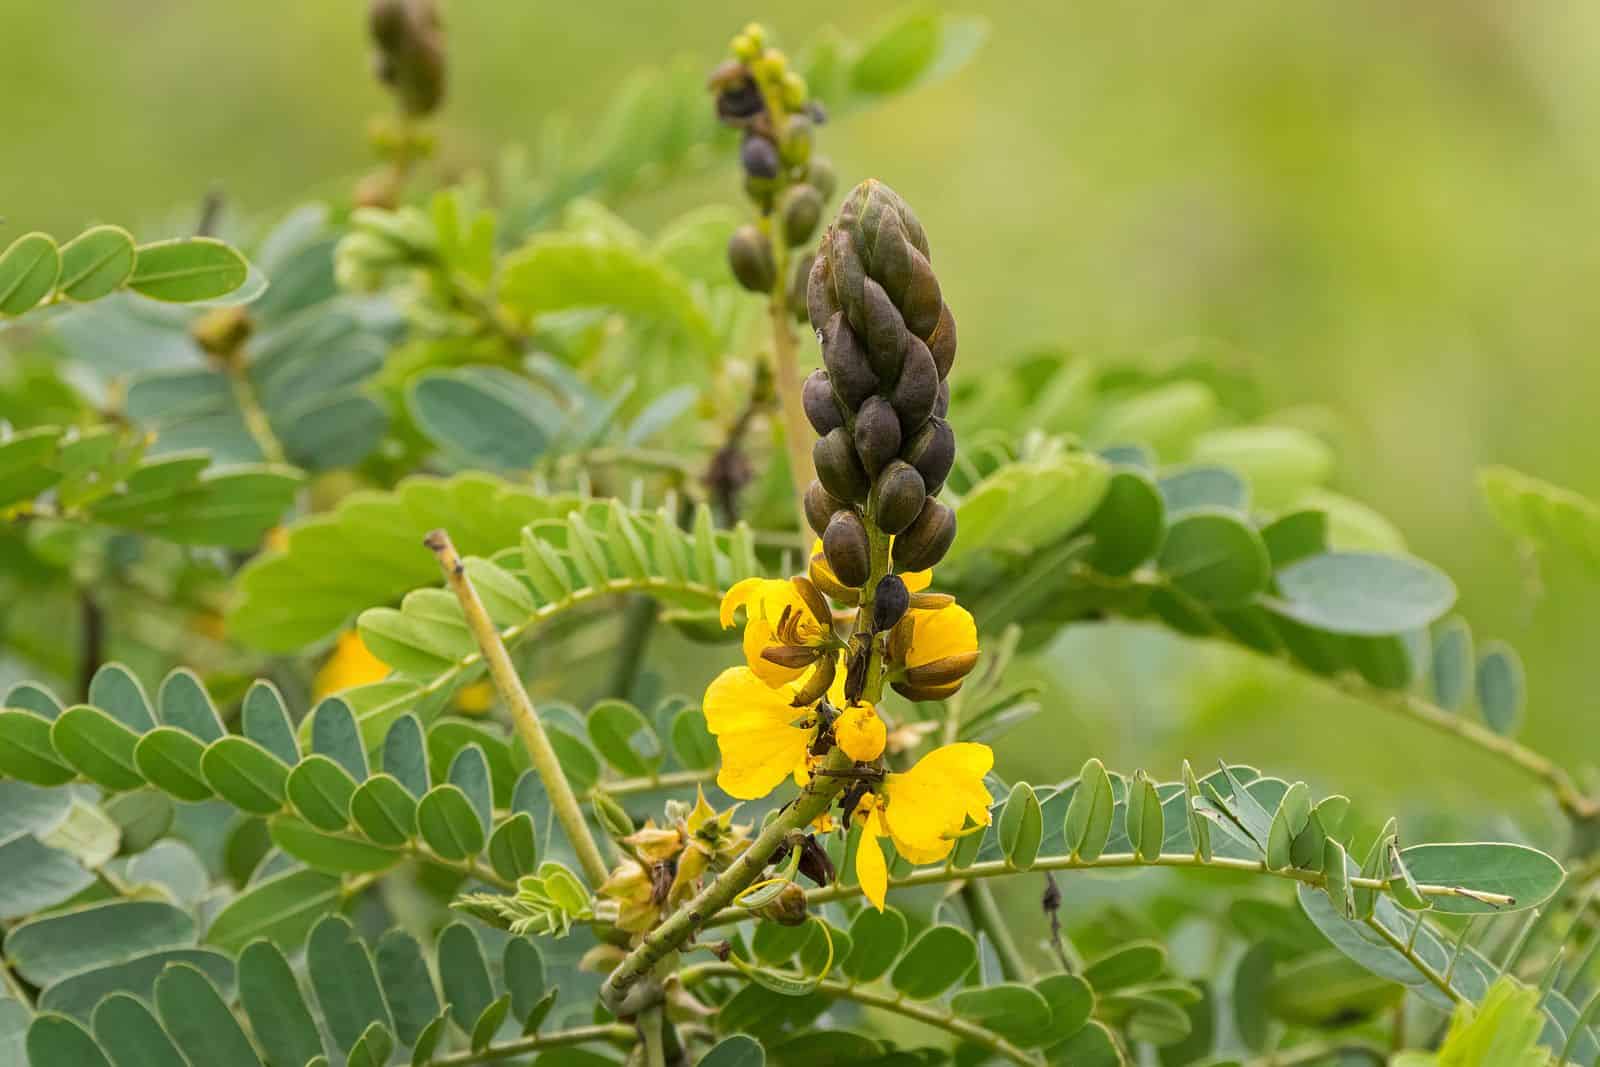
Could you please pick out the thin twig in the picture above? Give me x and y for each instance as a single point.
(578, 1035)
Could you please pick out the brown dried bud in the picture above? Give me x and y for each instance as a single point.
(817, 682)
(927, 539)
(820, 506)
(918, 388)
(759, 157)
(899, 498)
(885, 333)
(942, 342)
(815, 602)
(410, 58)
(848, 370)
(815, 863)
(791, 656)
(822, 410)
(932, 450)
(838, 468)
(890, 599)
(877, 434)
(750, 256)
(801, 211)
(845, 545)
(788, 908)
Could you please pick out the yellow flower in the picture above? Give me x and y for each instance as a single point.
(860, 732)
(828, 582)
(351, 664)
(788, 627)
(754, 725)
(933, 652)
(922, 811)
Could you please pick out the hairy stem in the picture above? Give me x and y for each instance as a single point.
(681, 925)
(924, 1013)
(615, 1033)
(523, 715)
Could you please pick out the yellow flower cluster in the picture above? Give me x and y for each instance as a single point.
(777, 716)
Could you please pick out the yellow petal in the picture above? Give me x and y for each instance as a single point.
(752, 725)
(757, 636)
(950, 631)
(917, 581)
(929, 805)
(860, 733)
(350, 665)
(871, 870)
(738, 597)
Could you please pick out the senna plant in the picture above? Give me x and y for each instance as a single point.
(451, 624)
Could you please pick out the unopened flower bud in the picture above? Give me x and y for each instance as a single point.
(932, 450)
(821, 174)
(750, 257)
(759, 157)
(927, 539)
(788, 908)
(877, 434)
(801, 211)
(822, 410)
(838, 467)
(614, 819)
(889, 602)
(899, 497)
(846, 548)
(797, 135)
(223, 331)
(799, 280)
(815, 863)
(820, 506)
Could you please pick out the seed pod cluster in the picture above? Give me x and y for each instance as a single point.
(410, 55)
(878, 405)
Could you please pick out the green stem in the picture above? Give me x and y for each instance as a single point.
(578, 1035)
(787, 384)
(1116, 861)
(986, 916)
(670, 780)
(255, 418)
(523, 715)
(638, 619)
(650, 1022)
(924, 1013)
(1315, 1052)
(682, 924)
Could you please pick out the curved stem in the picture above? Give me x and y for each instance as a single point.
(924, 1013)
(1115, 861)
(523, 715)
(578, 1035)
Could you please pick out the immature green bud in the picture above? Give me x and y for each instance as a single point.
(884, 332)
(820, 506)
(917, 388)
(889, 602)
(759, 156)
(822, 410)
(801, 211)
(761, 191)
(927, 539)
(750, 256)
(845, 545)
(613, 817)
(943, 342)
(848, 369)
(798, 136)
(838, 467)
(822, 175)
(932, 451)
(788, 908)
(877, 434)
(899, 498)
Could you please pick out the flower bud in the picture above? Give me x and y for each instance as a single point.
(927, 539)
(884, 332)
(801, 211)
(750, 256)
(817, 683)
(932, 450)
(918, 693)
(899, 497)
(889, 602)
(822, 410)
(799, 278)
(788, 908)
(838, 467)
(820, 506)
(942, 342)
(947, 670)
(815, 863)
(759, 157)
(848, 370)
(844, 544)
(877, 434)
(798, 135)
(614, 819)
(917, 388)
(822, 175)
(761, 191)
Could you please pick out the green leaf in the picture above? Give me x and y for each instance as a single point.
(373, 1049)
(1452, 664)
(692, 743)
(34, 876)
(1279, 462)
(876, 939)
(1501, 689)
(937, 959)
(1328, 989)
(405, 755)
(1544, 513)
(116, 691)
(271, 998)
(321, 791)
(1128, 525)
(1528, 875)
(246, 775)
(126, 1027)
(1091, 1046)
(736, 1050)
(27, 465)
(78, 994)
(488, 1023)
(469, 772)
(188, 269)
(196, 1015)
(281, 909)
(512, 849)
(345, 980)
(523, 969)
(428, 1040)
(916, 49)
(1010, 1009)
(465, 974)
(1021, 827)
(334, 853)
(1204, 489)
(183, 702)
(1363, 593)
(485, 417)
(1089, 814)
(98, 746)
(449, 824)
(1125, 966)
(1070, 999)
(407, 985)
(1293, 813)
(1295, 536)
(1215, 557)
(26, 751)
(1025, 506)
(57, 1041)
(384, 811)
(28, 272)
(47, 949)
(1144, 820)
(621, 734)
(334, 734)
(265, 721)
(96, 263)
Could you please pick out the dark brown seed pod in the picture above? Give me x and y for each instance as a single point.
(816, 395)
(941, 403)
(848, 369)
(801, 211)
(885, 335)
(820, 506)
(848, 276)
(927, 539)
(844, 544)
(759, 156)
(932, 451)
(821, 174)
(890, 599)
(899, 497)
(917, 388)
(877, 434)
(838, 468)
(921, 300)
(943, 342)
(820, 301)
(750, 257)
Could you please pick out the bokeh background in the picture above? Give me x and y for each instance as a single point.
(1387, 210)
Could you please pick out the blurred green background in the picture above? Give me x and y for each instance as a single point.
(1386, 209)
